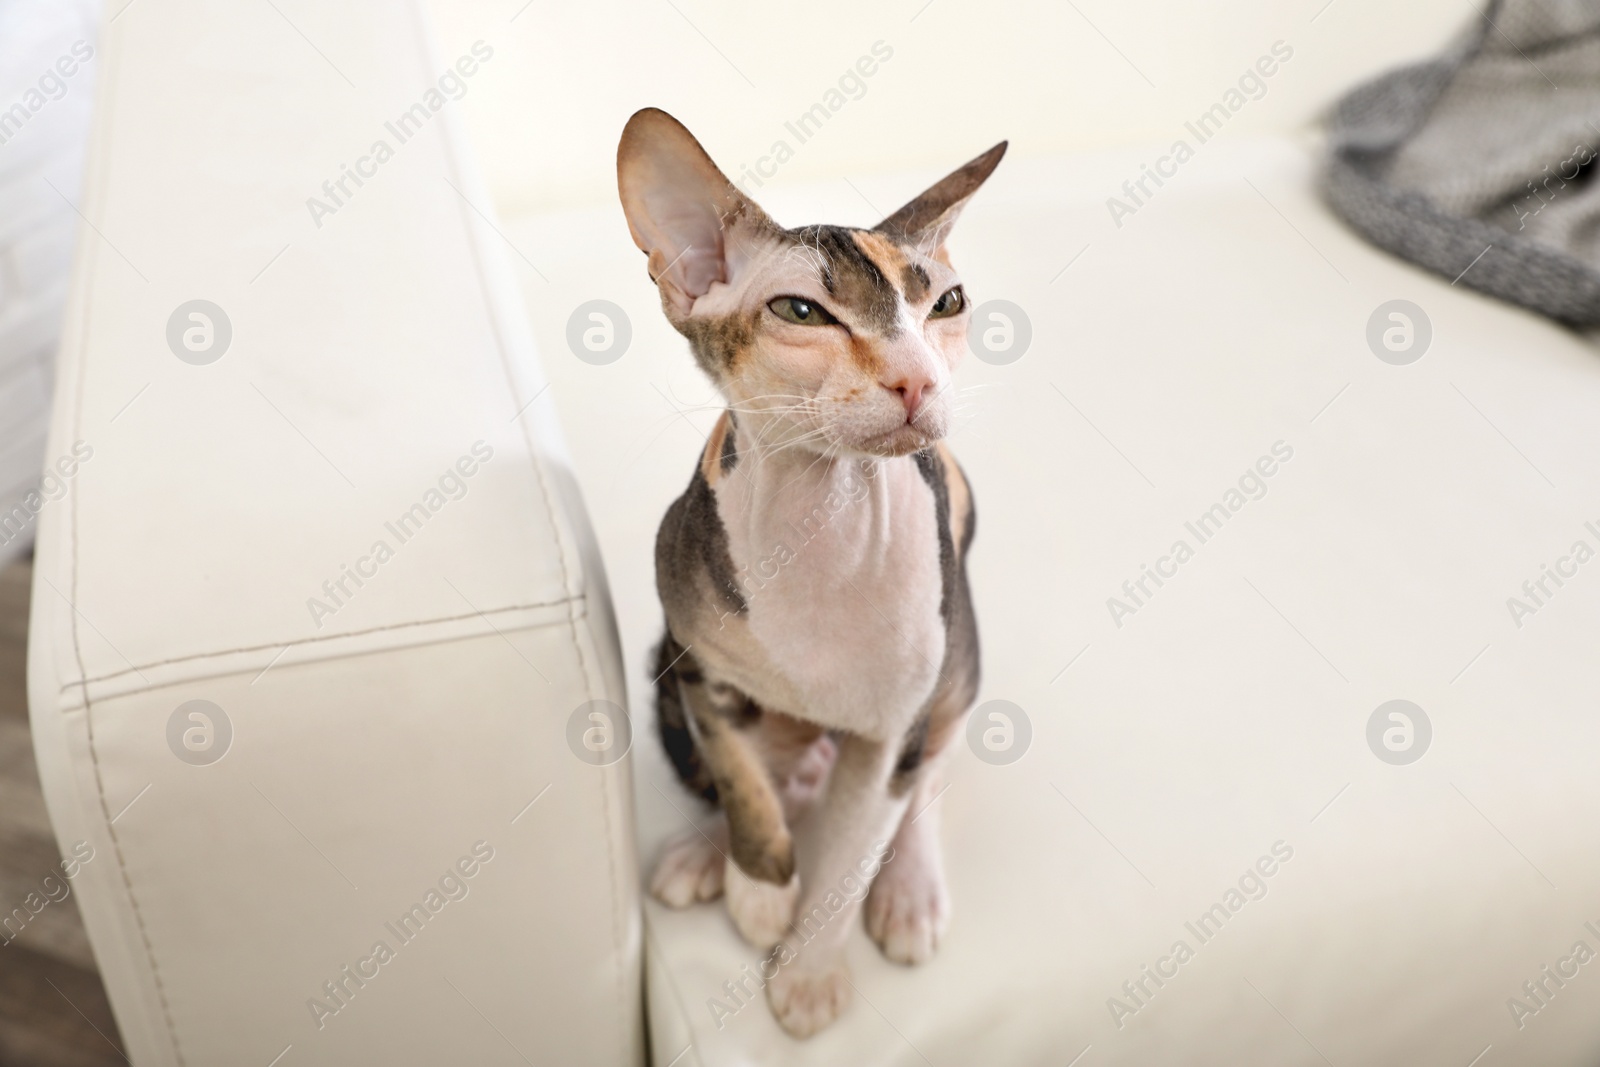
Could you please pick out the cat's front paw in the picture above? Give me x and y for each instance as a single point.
(908, 912)
(805, 1001)
(761, 910)
(689, 869)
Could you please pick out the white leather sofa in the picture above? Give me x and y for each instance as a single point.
(1215, 742)
(392, 766)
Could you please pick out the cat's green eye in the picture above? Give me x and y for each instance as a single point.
(951, 303)
(801, 311)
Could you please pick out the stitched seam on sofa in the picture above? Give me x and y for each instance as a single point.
(206, 670)
(602, 780)
(104, 99)
(315, 640)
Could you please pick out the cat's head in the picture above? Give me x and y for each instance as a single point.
(827, 337)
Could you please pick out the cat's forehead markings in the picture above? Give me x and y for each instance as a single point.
(895, 261)
(859, 285)
(885, 253)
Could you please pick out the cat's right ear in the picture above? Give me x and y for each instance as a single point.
(682, 211)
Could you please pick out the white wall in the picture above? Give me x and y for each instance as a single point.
(546, 112)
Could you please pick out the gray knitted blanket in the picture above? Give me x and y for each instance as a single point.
(1480, 164)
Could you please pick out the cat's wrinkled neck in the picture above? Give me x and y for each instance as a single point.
(779, 490)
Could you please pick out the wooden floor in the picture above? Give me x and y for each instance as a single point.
(53, 1009)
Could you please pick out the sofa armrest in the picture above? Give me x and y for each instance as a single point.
(314, 607)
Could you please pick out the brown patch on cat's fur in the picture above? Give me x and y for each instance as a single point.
(958, 673)
(864, 351)
(930, 463)
(729, 458)
(712, 460)
(959, 493)
(913, 751)
(675, 666)
(892, 259)
(717, 343)
(693, 566)
(885, 253)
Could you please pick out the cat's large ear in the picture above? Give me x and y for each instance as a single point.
(682, 211)
(926, 221)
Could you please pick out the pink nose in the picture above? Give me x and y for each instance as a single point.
(913, 390)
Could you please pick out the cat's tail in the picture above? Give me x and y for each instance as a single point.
(672, 718)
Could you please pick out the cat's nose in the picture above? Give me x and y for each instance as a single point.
(912, 389)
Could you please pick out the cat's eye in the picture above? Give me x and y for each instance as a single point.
(951, 303)
(801, 311)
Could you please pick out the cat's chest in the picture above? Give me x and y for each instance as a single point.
(842, 581)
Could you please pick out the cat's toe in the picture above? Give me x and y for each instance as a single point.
(907, 915)
(760, 910)
(805, 1001)
(690, 869)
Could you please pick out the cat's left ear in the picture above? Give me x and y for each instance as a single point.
(926, 221)
(693, 223)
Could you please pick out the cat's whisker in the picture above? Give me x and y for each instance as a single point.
(806, 437)
(777, 414)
